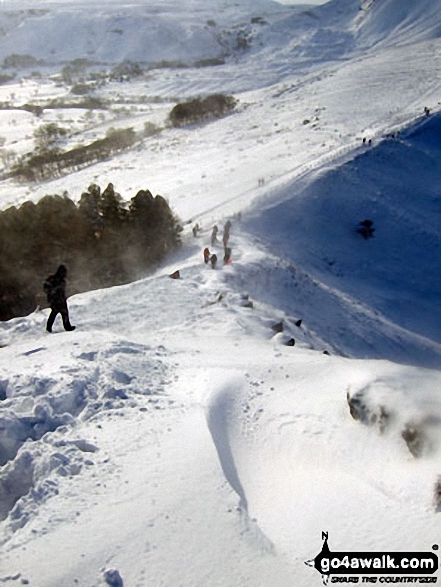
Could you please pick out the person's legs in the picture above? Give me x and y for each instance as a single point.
(51, 319)
(65, 317)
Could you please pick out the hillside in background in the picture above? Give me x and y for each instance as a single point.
(204, 431)
(190, 31)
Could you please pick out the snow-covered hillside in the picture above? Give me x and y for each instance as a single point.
(389, 286)
(205, 431)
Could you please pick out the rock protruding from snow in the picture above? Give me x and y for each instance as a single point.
(113, 578)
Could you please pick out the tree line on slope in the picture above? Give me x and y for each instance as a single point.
(103, 240)
(49, 160)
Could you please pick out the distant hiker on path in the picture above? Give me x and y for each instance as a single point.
(226, 235)
(366, 229)
(55, 288)
(213, 261)
(214, 235)
(206, 255)
(227, 256)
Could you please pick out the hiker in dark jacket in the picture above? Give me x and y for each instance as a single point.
(227, 229)
(214, 235)
(55, 288)
(226, 235)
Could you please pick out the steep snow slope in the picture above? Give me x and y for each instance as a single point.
(392, 280)
(198, 448)
(400, 22)
(136, 407)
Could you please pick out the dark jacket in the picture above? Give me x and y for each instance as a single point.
(55, 287)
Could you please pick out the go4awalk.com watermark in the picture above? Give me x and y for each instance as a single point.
(375, 567)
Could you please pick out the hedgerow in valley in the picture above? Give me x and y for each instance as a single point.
(51, 162)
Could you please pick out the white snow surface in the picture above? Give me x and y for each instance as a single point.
(175, 438)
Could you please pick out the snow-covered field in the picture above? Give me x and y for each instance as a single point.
(176, 439)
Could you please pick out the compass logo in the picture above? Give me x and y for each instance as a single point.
(329, 563)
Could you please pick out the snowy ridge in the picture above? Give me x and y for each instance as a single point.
(395, 22)
(407, 201)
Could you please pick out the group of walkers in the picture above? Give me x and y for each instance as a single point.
(55, 285)
(212, 258)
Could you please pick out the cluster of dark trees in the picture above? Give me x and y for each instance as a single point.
(198, 109)
(103, 240)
